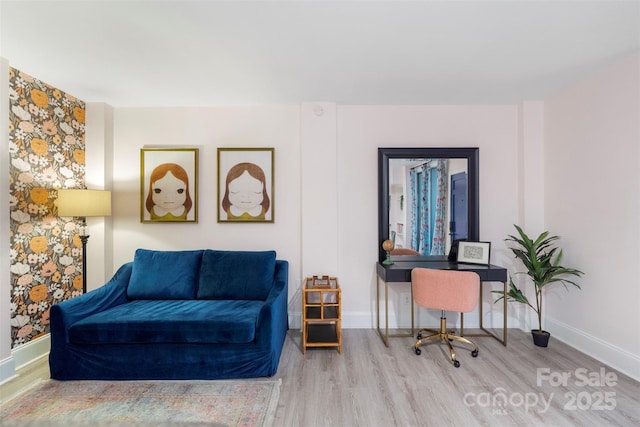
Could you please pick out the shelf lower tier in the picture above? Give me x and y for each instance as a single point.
(323, 335)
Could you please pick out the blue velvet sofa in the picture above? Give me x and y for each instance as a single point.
(202, 314)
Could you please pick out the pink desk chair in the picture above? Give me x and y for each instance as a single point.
(445, 290)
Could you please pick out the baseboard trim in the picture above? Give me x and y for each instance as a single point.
(367, 320)
(31, 351)
(7, 369)
(610, 354)
(358, 320)
(23, 355)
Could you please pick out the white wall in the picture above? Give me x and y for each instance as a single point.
(207, 129)
(530, 198)
(592, 199)
(319, 204)
(7, 368)
(99, 175)
(326, 166)
(361, 130)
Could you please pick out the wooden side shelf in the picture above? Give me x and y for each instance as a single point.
(321, 313)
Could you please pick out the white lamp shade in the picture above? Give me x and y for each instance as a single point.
(84, 203)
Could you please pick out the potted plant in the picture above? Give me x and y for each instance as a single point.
(541, 259)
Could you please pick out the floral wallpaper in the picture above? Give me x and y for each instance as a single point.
(47, 152)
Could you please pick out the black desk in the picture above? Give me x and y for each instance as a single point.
(400, 271)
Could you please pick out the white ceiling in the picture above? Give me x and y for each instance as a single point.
(195, 53)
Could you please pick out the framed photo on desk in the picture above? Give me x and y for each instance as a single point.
(474, 252)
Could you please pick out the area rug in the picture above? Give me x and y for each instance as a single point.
(145, 403)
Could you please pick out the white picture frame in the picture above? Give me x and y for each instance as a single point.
(474, 252)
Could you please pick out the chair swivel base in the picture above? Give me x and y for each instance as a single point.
(447, 338)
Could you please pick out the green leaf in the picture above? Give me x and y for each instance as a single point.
(541, 259)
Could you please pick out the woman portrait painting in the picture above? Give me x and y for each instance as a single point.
(245, 194)
(168, 195)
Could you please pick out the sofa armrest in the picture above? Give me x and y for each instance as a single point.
(66, 313)
(273, 321)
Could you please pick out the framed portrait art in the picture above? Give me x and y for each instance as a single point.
(245, 185)
(474, 252)
(169, 185)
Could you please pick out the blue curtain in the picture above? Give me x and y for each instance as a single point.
(440, 204)
(413, 194)
(421, 208)
(429, 187)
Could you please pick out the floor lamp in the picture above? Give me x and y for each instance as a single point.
(84, 203)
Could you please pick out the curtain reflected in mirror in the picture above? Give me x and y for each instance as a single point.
(427, 213)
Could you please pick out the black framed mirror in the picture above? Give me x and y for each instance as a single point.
(397, 186)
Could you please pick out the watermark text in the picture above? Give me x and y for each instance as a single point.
(595, 393)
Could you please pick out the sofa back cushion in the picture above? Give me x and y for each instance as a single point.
(164, 274)
(236, 274)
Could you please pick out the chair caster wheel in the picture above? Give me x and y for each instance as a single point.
(418, 351)
(474, 353)
(456, 363)
(419, 337)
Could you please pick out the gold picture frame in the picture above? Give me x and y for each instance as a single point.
(246, 185)
(168, 185)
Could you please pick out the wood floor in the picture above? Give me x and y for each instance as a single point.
(372, 385)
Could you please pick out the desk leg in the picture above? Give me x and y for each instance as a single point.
(412, 311)
(377, 303)
(480, 316)
(480, 304)
(386, 313)
(504, 315)
(386, 335)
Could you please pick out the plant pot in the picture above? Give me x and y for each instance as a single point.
(540, 338)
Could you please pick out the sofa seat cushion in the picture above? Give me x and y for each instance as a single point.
(170, 321)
